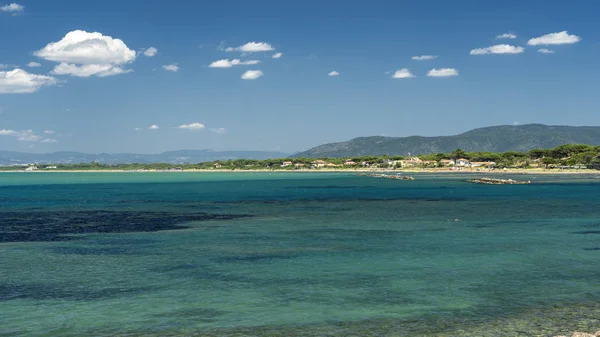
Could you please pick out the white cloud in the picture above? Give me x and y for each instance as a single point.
(424, 57)
(150, 52)
(153, 127)
(33, 65)
(545, 51)
(84, 54)
(137, 129)
(442, 72)
(5, 132)
(49, 132)
(171, 67)
(252, 75)
(19, 81)
(506, 36)
(12, 8)
(498, 49)
(219, 130)
(554, 38)
(403, 73)
(252, 47)
(192, 126)
(225, 63)
(277, 55)
(87, 70)
(27, 136)
(333, 73)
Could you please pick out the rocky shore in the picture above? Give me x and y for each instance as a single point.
(493, 181)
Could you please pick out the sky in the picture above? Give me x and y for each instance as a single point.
(152, 76)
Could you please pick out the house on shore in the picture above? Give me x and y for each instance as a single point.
(349, 163)
(31, 168)
(319, 163)
(462, 162)
(447, 162)
(286, 164)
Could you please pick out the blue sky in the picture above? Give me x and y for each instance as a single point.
(102, 93)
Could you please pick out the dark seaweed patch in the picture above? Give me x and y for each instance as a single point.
(592, 249)
(57, 225)
(586, 232)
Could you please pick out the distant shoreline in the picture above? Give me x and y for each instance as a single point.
(430, 170)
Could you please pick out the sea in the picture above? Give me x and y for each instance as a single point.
(297, 254)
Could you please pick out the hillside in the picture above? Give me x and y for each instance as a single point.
(171, 157)
(495, 139)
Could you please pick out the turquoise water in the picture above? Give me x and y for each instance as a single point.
(293, 254)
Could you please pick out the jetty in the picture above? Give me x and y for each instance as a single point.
(386, 176)
(493, 181)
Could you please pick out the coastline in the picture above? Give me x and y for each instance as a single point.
(429, 170)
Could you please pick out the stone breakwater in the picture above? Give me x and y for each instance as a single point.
(387, 176)
(492, 181)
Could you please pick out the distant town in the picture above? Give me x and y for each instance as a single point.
(571, 156)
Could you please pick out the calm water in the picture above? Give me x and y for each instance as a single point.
(269, 254)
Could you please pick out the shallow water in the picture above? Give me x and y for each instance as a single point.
(251, 254)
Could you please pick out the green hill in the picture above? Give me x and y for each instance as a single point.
(493, 139)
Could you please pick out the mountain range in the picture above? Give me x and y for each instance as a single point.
(171, 157)
(494, 139)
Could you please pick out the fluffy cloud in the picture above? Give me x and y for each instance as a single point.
(545, 51)
(153, 127)
(33, 65)
(277, 55)
(192, 126)
(252, 47)
(87, 70)
(333, 73)
(498, 49)
(12, 8)
(150, 52)
(171, 67)
(225, 63)
(219, 130)
(84, 54)
(252, 75)
(26, 136)
(554, 38)
(403, 73)
(506, 36)
(19, 81)
(442, 72)
(5, 132)
(424, 57)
